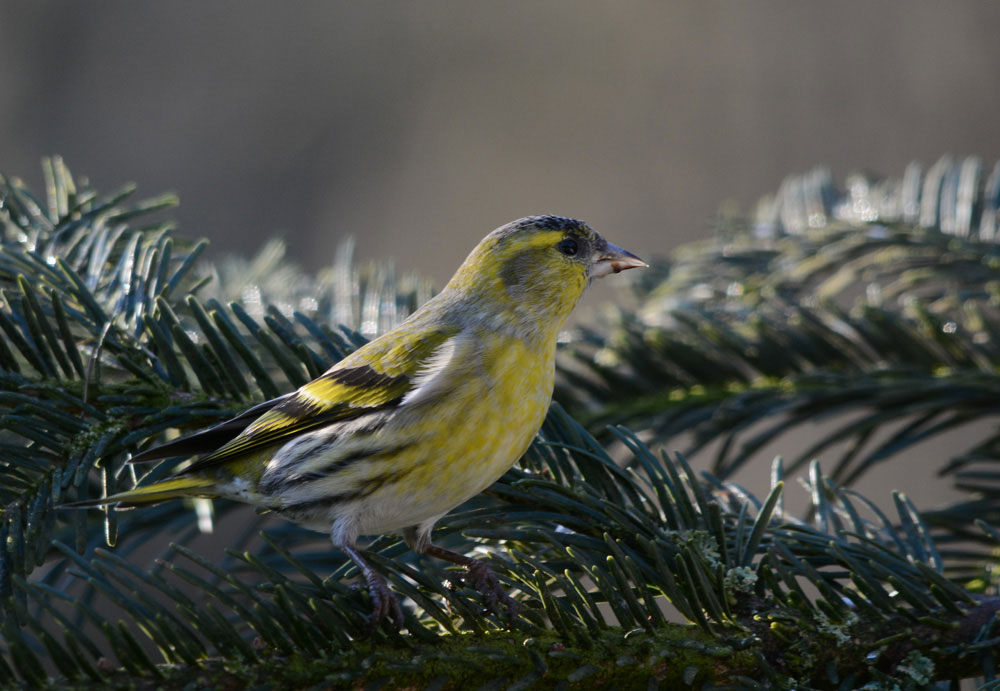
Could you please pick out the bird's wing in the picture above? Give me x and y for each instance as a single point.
(376, 377)
(210, 439)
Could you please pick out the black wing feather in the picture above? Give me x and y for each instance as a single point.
(210, 439)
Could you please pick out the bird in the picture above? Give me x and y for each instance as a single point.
(417, 420)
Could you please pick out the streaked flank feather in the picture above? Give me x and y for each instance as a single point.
(416, 421)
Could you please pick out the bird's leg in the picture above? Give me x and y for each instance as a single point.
(480, 575)
(383, 600)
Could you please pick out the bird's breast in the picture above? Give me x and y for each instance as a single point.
(494, 412)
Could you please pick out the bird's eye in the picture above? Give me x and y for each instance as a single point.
(569, 247)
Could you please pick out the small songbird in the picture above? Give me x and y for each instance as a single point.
(417, 421)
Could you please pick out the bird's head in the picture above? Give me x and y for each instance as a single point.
(538, 267)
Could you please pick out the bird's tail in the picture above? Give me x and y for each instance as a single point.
(189, 486)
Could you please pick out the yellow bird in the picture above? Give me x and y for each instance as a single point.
(417, 421)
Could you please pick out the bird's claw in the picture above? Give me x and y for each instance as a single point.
(384, 603)
(483, 579)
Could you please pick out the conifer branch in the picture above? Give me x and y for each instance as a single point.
(116, 334)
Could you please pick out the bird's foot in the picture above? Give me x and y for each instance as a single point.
(482, 578)
(384, 603)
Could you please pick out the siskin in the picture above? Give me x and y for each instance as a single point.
(415, 422)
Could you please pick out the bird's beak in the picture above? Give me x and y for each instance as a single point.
(611, 259)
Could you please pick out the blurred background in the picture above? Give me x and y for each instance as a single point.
(418, 127)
